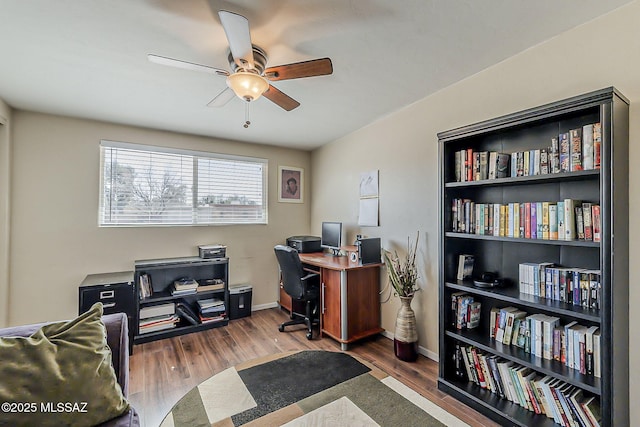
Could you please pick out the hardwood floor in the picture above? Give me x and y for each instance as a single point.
(161, 372)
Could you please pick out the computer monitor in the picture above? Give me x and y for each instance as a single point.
(331, 236)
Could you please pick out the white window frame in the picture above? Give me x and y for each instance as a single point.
(234, 216)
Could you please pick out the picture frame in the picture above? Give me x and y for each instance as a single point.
(290, 184)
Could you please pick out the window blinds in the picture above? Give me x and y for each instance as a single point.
(144, 185)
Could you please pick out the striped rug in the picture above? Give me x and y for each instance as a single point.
(305, 388)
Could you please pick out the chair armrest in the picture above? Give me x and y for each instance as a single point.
(311, 283)
(310, 278)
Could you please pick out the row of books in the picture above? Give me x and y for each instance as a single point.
(566, 404)
(575, 150)
(145, 288)
(465, 312)
(576, 346)
(577, 286)
(568, 219)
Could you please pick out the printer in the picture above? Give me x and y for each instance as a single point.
(305, 244)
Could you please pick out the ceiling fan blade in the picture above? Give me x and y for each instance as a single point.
(222, 98)
(163, 60)
(236, 27)
(315, 67)
(283, 100)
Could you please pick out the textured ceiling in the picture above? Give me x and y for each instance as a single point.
(88, 58)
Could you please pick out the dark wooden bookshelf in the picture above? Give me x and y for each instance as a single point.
(608, 186)
(162, 273)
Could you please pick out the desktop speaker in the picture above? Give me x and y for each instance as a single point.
(370, 250)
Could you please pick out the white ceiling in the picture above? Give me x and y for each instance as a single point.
(88, 58)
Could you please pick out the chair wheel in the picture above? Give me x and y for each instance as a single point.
(309, 335)
(281, 328)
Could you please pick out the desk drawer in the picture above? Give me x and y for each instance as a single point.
(115, 298)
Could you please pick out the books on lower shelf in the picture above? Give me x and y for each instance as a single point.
(566, 404)
(212, 310)
(157, 318)
(157, 323)
(576, 346)
(157, 310)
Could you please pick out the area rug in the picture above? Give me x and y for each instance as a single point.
(305, 388)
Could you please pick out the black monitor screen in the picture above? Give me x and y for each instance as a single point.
(331, 235)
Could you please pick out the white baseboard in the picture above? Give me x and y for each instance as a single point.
(264, 306)
(423, 351)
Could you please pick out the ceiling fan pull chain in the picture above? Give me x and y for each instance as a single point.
(246, 115)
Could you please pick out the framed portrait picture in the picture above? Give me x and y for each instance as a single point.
(290, 184)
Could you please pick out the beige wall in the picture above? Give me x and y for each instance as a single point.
(55, 240)
(5, 176)
(404, 148)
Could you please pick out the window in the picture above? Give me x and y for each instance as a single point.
(144, 185)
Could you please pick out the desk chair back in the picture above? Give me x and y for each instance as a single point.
(300, 286)
(291, 269)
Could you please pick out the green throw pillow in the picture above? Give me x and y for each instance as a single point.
(60, 376)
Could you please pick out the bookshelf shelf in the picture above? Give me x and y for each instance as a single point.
(162, 274)
(163, 296)
(509, 413)
(583, 243)
(532, 131)
(518, 355)
(511, 295)
(534, 179)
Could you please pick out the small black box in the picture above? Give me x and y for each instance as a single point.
(370, 250)
(304, 244)
(212, 251)
(240, 301)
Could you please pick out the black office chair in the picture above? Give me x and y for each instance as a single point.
(301, 286)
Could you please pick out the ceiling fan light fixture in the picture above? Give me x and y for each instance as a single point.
(246, 85)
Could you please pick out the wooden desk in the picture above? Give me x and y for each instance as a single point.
(349, 297)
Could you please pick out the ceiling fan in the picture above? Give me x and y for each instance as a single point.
(249, 77)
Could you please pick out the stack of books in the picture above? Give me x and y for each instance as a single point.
(210, 285)
(184, 286)
(157, 318)
(212, 310)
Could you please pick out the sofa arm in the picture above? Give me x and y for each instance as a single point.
(118, 340)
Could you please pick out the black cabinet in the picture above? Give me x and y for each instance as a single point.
(211, 274)
(116, 292)
(532, 131)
